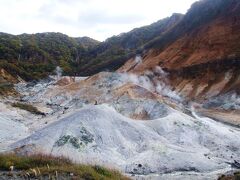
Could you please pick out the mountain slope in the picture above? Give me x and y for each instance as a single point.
(188, 45)
(203, 56)
(112, 53)
(33, 56)
(42, 47)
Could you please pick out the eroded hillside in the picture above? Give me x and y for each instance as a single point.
(204, 61)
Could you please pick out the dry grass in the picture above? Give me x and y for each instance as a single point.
(7, 89)
(235, 176)
(49, 166)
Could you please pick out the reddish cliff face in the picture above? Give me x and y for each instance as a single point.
(219, 40)
(203, 62)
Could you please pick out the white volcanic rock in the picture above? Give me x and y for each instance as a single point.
(126, 93)
(10, 132)
(177, 142)
(163, 139)
(12, 125)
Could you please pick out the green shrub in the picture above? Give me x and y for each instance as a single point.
(27, 107)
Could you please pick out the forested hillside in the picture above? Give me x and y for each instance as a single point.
(34, 56)
(37, 55)
(115, 51)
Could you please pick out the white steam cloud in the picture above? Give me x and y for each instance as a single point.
(143, 81)
(158, 84)
(58, 72)
(165, 90)
(138, 59)
(158, 70)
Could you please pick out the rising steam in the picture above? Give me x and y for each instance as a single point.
(138, 59)
(58, 72)
(157, 84)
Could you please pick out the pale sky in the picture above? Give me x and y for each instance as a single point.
(98, 19)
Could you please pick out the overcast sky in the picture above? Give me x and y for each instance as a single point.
(98, 19)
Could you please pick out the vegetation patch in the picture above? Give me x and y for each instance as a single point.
(26, 70)
(6, 88)
(27, 107)
(41, 166)
(84, 138)
(235, 176)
